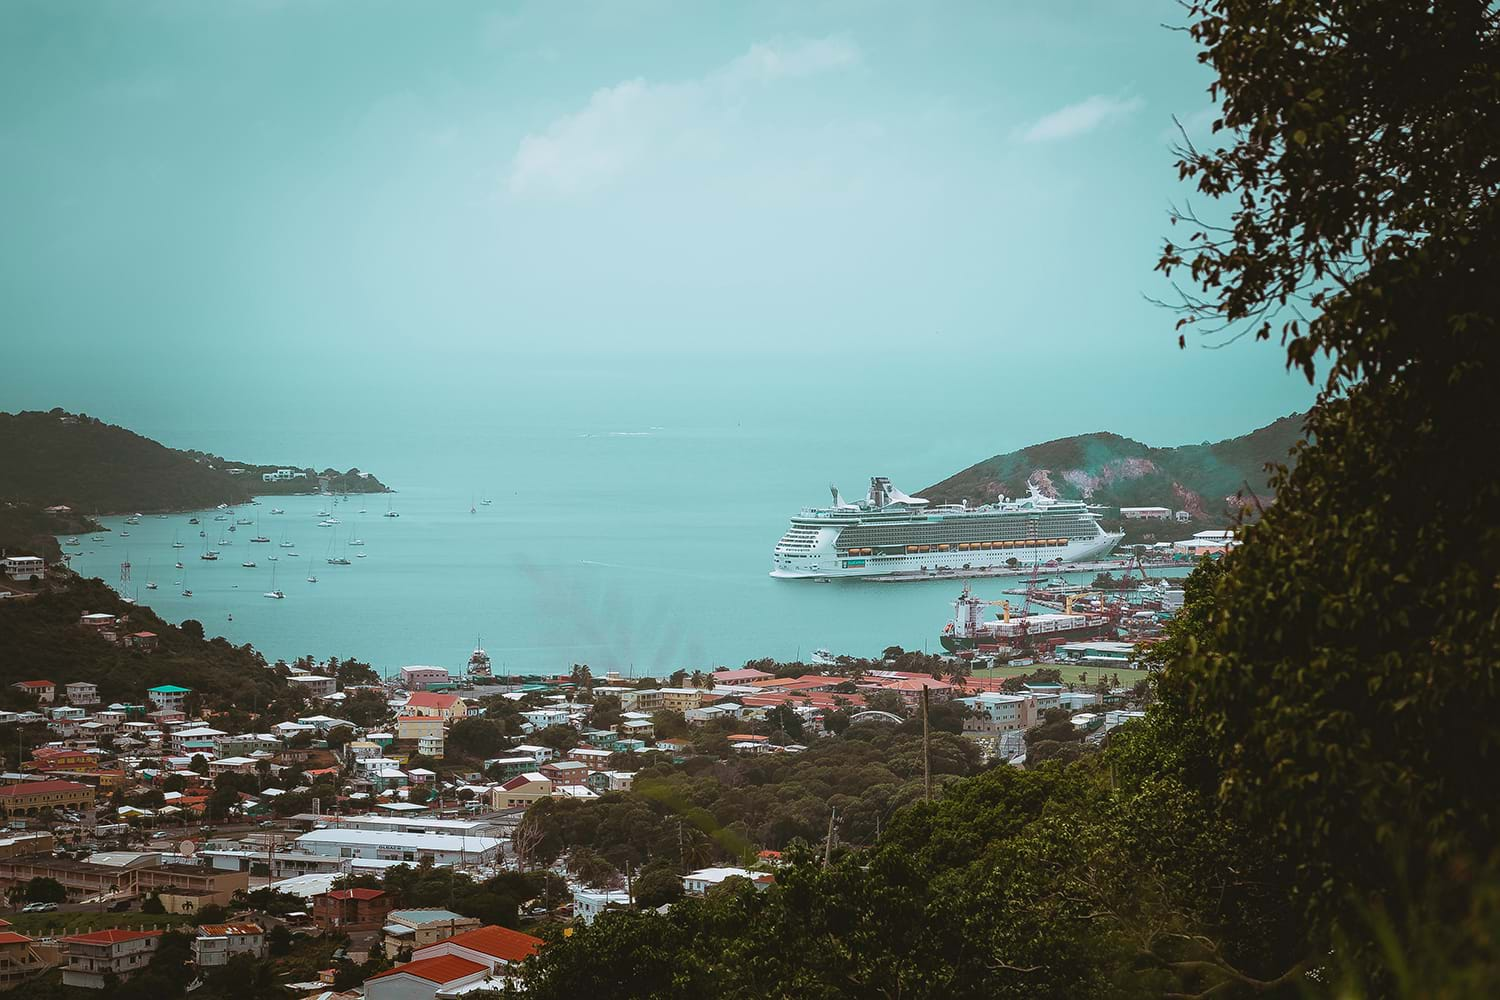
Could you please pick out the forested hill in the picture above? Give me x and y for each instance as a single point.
(40, 639)
(81, 462)
(1112, 470)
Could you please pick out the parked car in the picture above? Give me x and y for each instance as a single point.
(38, 907)
(120, 907)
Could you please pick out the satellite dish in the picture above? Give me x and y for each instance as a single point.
(187, 848)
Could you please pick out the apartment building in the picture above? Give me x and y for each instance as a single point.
(91, 957)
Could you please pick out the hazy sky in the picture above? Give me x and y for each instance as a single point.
(441, 197)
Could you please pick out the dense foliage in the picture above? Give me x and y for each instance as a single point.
(40, 639)
(706, 811)
(91, 466)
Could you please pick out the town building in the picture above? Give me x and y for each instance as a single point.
(283, 475)
(440, 849)
(421, 734)
(589, 903)
(643, 700)
(357, 909)
(431, 703)
(314, 685)
(992, 712)
(21, 958)
(42, 691)
(420, 678)
(682, 699)
(82, 693)
(423, 980)
(520, 791)
(169, 697)
(25, 568)
(1145, 514)
(698, 882)
(122, 875)
(31, 798)
(419, 928)
(491, 946)
(216, 944)
(92, 957)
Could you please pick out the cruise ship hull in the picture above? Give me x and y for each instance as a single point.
(820, 564)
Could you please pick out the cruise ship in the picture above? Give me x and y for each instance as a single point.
(890, 535)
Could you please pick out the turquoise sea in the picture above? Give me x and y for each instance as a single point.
(626, 532)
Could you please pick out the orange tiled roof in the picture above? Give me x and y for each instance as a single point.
(498, 942)
(110, 937)
(443, 969)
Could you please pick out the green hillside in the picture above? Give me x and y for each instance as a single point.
(40, 639)
(1117, 471)
(81, 462)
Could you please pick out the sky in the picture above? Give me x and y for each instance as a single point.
(223, 215)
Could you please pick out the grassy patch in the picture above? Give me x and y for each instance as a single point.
(57, 924)
(1071, 673)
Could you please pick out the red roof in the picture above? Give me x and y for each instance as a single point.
(918, 683)
(36, 684)
(32, 787)
(356, 893)
(431, 699)
(10, 937)
(497, 942)
(443, 969)
(110, 937)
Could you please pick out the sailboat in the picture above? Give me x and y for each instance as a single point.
(311, 576)
(336, 560)
(388, 511)
(177, 565)
(472, 508)
(176, 541)
(150, 583)
(352, 539)
(185, 592)
(273, 593)
(277, 510)
(258, 536)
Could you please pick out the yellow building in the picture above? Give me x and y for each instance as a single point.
(31, 798)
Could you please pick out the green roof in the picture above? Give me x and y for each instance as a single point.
(171, 689)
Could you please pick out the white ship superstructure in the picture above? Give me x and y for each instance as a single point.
(890, 534)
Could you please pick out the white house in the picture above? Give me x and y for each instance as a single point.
(442, 849)
(25, 567)
(589, 903)
(700, 881)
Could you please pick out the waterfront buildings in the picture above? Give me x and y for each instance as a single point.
(440, 849)
(419, 678)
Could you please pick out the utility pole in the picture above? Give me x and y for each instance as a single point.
(926, 749)
(828, 843)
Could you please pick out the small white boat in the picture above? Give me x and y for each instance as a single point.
(338, 561)
(323, 513)
(71, 541)
(178, 566)
(248, 564)
(327, 524)
(360, 555)
(390, 513)
(276, 595)
(272, 558)
(277, 510)
(289, 545)
(187, 593)
(260, 538)
(244, 520)
(177, 545)
(485, 503)
(356, 541)
(150, 586)
(210, 556)
(124, 534)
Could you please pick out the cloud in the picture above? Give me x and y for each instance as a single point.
(1085, 116)
(624, 126)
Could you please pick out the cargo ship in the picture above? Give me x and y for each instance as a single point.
(970, 632)
(891, 535)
